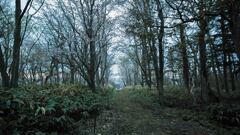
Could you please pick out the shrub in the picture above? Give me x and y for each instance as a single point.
(177, 96)
(228, 114)
(143, 95)
(50, 108)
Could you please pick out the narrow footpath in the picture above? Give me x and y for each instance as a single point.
(133, 116)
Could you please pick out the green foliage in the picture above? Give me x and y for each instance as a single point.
(133, 108)
(143, 95)
(177, 96)
(50, 108)
(226, 113)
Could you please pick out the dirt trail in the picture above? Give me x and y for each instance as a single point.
(134, 118)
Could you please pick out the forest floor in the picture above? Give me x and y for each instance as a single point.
(133, 115)
(75, 110)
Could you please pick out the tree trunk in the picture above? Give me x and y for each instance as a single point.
(202, 49)
(231, 72)
(224, 43)
(235, 17)
(214, 65)
(144, 62)
(155, 61)
(184, 58)
(72, 74)
(57, 79)
(16, 46)
(3, 70)
(160, 48)
(149, 70)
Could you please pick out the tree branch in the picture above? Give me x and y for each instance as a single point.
(25, 9)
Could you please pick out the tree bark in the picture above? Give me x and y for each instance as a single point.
(3, 70)
(235, 17)
(231, 72)
(214, 65)
(92, 64)
(160, 49)
(72, 72)
(224, 43)
(16, 46)
(155, 59)
(202, 49)
(184, 57)
(144, 62)
(207, 94)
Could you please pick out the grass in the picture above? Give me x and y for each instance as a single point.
(131, 111)
(132, 116)
(136, 112)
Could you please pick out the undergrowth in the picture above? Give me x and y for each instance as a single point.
(55, 108)
(176, 96)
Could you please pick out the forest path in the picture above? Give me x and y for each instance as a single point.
(131, 117)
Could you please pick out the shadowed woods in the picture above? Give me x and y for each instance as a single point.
(74, 109)
(175, 63)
